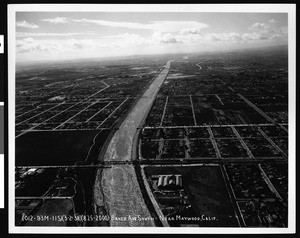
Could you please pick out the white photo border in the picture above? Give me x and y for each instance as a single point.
(243, 8)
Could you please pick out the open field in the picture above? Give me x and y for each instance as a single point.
(58, 148)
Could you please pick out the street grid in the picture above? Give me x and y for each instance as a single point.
(80, 113)
(266, 139)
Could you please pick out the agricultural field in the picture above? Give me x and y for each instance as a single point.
(55, 148)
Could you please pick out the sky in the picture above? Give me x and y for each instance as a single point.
(76, 35)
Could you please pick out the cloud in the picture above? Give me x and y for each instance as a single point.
(196, 31)
(273, 21)
(259, 31)
(266, 31)
(232, 36)
(175, 26)
(35, 34)
(121, 41)
(26, 24)
(29, 45)
(159, 26)
(256, 32)
(258, 26)
(165, 35)
(127, 39)
(167, 38)
(124, 40)
(56, 20)
(76, 44)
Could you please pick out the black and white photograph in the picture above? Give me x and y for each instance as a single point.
(151, 118)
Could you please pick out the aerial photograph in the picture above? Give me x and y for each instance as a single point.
(151, 119)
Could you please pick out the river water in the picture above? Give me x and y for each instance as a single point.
(120, 189)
